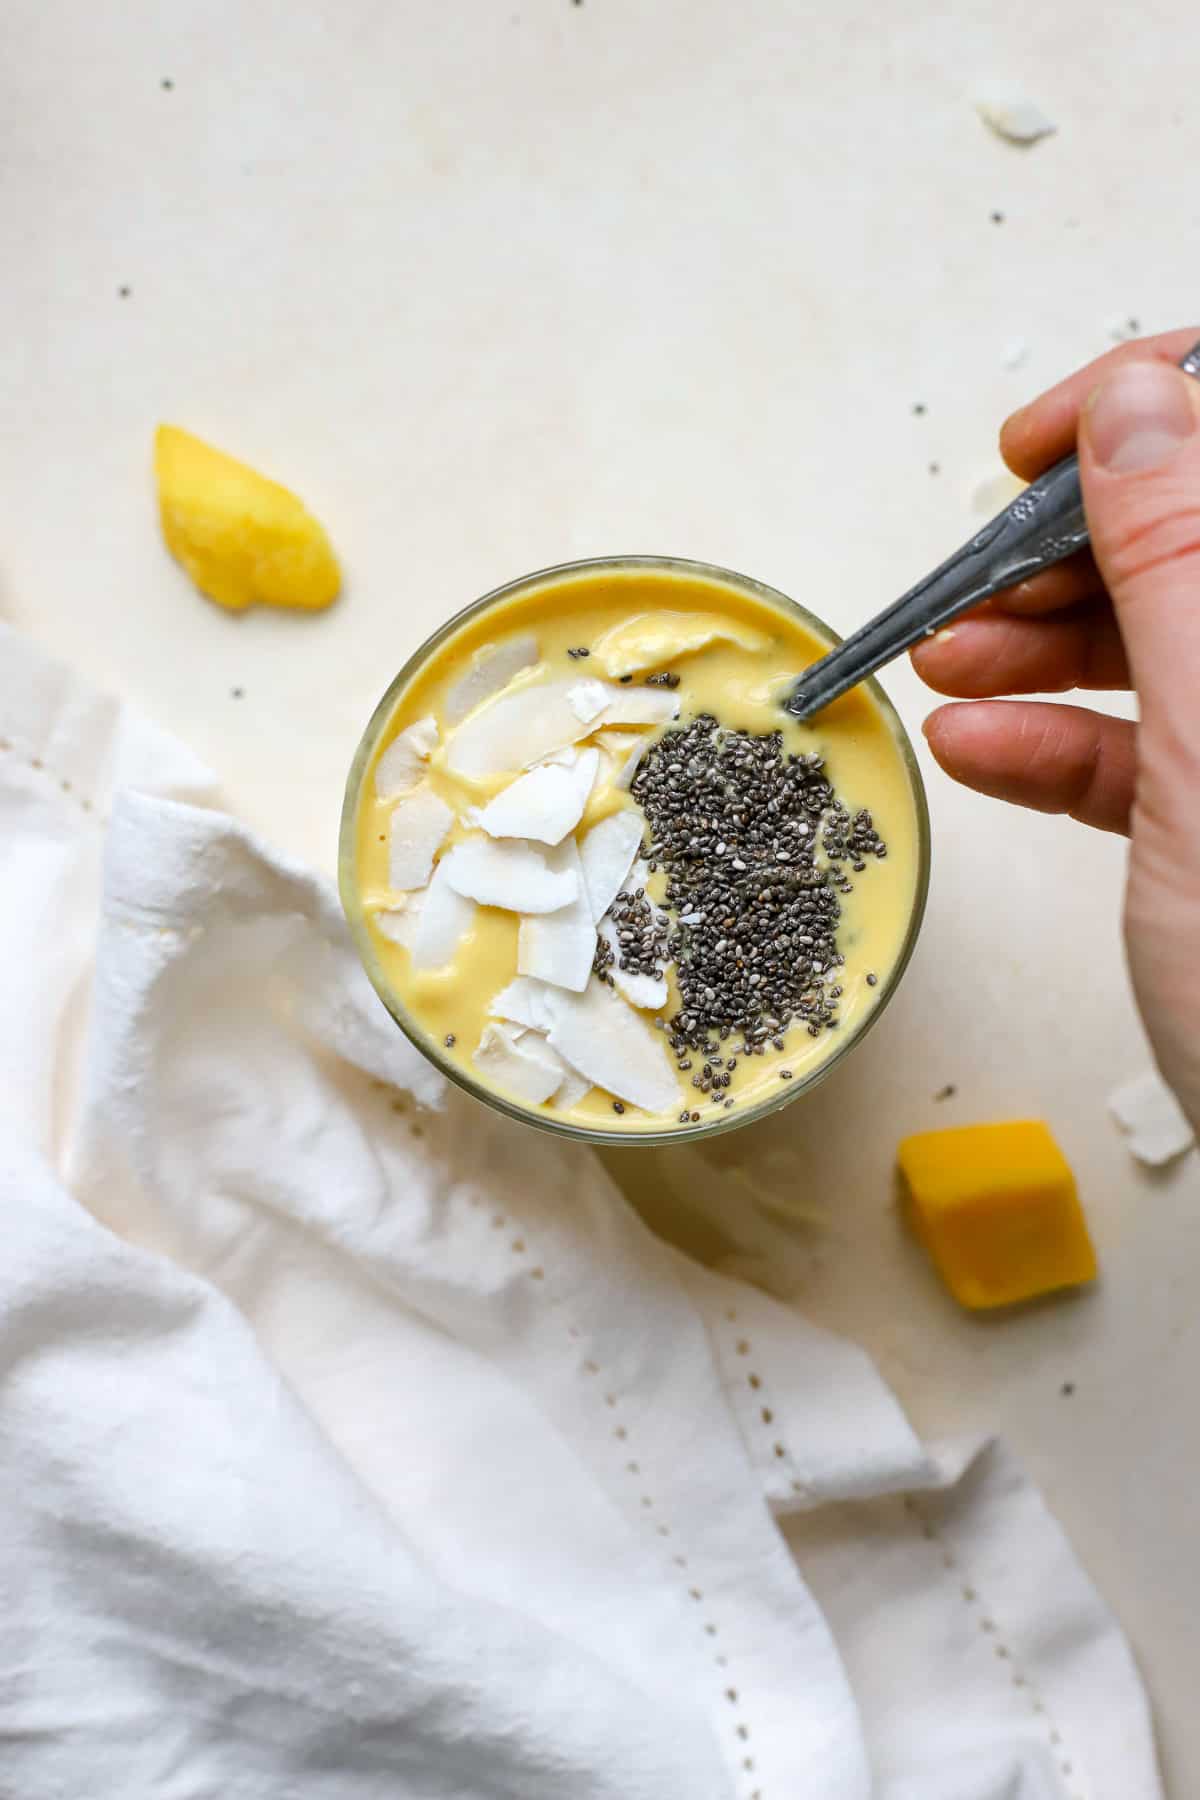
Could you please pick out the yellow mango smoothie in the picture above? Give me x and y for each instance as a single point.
(603, 879)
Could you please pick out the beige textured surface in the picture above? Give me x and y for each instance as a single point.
(503, 282)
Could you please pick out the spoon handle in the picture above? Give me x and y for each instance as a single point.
(1039, 528)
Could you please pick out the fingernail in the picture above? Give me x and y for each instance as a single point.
(1139, 417)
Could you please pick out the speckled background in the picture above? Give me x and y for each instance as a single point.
(509, 281)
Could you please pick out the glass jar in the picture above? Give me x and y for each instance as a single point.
(789, 1092)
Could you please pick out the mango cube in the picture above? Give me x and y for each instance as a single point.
(997, 1210)
(240, 537)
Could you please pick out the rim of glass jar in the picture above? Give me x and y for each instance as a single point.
(355, 915)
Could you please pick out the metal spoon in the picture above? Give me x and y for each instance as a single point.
(1041, 527)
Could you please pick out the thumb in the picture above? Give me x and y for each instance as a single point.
(1139, 461)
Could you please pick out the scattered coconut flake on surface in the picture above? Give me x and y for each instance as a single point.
(417, 832)
(516, 730)
(575, 1088)
(1011, 114)
(403, 762)
(652, 640)
(1150, 1115)
(647, 992)
(601, 1036)
(588, 699)
(561, 947)
(1123, 329)
(996, 491)
(606, 857)
(640, 706)
(514, 876)
(1016, 353)
(444, 920)
(545, 804)
(492, 668)
(524, 1002)
(525, 1064)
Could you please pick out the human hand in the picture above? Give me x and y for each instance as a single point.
(1126, 615)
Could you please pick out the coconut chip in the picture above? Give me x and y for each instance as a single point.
(575, 1088)
(516, 731)
(601, 1036)
(524, 1002)
(623, 779)
(529, 1004)
(399, 923)
(1012, 115)
(514, 876)
(639, 706)
(561, 947)
(492, 668)
(524, 1064)
(652, 640)
(606, 855)
(1148, 1112)
(545, 804)
(588, 699)
(418, 830)
(444, 920)
(647, 992)
(403, 762)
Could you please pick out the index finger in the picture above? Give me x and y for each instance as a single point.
(1044, 431)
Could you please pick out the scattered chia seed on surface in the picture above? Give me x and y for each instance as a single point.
(919, 409)
(580, 650)
(618, 1106)
(664, 679)
(625, 680)
(450, 1040)
(872, 981)
(946, 1093)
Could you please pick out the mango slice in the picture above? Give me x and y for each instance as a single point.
(240, 537)
(997, 1209)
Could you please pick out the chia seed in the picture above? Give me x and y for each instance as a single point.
(450, 1040)
(753, 843)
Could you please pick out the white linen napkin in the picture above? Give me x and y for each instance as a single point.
(355, 1442)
